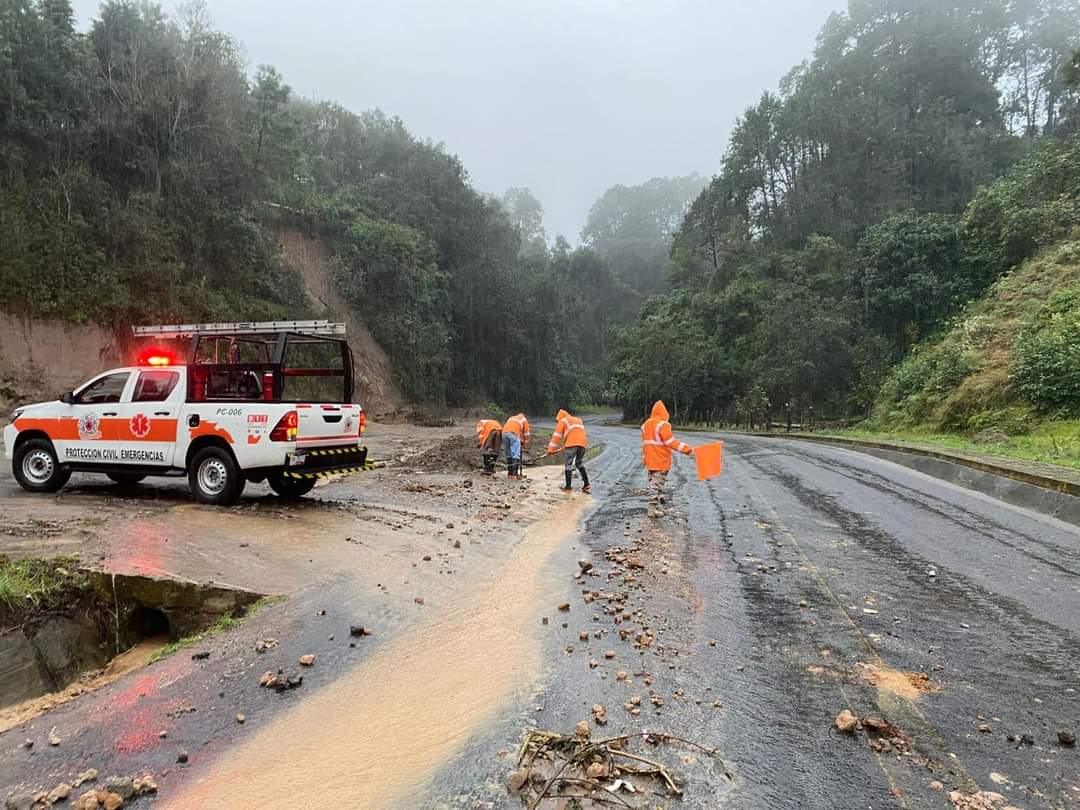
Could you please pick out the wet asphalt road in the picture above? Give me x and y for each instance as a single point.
(807, 566)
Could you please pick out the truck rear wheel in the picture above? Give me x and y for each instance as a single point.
(36, 467)
(290, 487)
(214, 477)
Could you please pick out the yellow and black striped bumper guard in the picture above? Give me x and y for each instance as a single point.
(349, 460)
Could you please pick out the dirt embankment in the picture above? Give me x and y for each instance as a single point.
(374, 378)
(39, 359)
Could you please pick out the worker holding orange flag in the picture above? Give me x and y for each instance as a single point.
(570, 432)
(657, 444)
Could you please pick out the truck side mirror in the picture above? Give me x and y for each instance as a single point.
(68, 398)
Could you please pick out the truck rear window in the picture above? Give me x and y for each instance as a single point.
(313, 372)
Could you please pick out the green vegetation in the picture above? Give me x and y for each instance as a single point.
(217, 628)
(37, 583)
(1052, 442)
(140, 168)
(924, 152)
(223, 624)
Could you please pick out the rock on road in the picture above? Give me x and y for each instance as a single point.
(828, 579)
(805, 581)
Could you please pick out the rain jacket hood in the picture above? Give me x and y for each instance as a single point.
(660, 411)
(562, 414)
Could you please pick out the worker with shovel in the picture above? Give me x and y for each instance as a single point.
(570, 433)
(657, 444)
(516, 436)
(489, 437)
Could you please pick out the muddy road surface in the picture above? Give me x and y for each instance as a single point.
(805, 581)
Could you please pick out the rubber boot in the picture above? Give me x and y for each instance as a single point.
(569, 481)
(585, 481)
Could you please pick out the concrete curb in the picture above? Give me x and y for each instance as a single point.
(1045, 494)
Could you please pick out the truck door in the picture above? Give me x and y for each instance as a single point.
(147, 426)
(89, 435)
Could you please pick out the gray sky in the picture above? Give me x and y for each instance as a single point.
(567, 97)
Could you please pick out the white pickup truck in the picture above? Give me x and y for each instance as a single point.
(249, 402)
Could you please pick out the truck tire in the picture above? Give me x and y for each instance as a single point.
(214, 477)
(125, 479)
(37, 468)
(290, 487)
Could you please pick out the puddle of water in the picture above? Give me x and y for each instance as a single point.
(377, 734)
(128, 661)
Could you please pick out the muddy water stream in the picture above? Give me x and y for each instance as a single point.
(376, 735)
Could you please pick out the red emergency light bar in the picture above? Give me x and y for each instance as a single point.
(156, 358)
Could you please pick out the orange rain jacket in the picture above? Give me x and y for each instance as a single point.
(657, 441)
(519, 426)
(484, 429)
(569, 431)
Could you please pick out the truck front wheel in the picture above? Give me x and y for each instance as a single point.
(36, 467)
(290, 487)
(214, 477)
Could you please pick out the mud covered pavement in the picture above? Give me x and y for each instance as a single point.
(816, 628)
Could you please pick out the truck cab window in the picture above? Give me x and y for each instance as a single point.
(155, 386)
(104, 390)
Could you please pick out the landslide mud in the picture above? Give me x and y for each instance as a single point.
(379, 732)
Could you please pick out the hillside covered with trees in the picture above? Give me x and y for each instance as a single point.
(141, 165)
(924, 151)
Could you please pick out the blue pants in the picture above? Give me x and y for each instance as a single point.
(513, 448)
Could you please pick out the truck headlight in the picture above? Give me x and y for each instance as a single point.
(15, 414)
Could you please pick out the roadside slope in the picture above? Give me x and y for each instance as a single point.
(374, 375)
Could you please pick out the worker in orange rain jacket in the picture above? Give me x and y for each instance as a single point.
(570, 432)
(489, 437)
(515, 436)
(657, 444)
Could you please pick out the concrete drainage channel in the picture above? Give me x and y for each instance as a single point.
(63, 626)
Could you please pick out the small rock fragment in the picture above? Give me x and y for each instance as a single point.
(846, 722)
(583, 635)
(517, 780)
(200, 656)
(419, 600)
(240, 718)
(609, 654)
(54, 739)
(1066, 738)
(621, 675)
(565, 606)
(59, 793)
(121, 786)
(144, 784)
(110, 801)
(89, 775)
(307, 660)
(583, 729)
(596, 770)
(182, 757)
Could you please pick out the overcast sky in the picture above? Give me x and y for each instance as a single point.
(567, 97)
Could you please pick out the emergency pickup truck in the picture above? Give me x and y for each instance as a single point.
(247, 402)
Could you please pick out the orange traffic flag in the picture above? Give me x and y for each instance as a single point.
(710, 460)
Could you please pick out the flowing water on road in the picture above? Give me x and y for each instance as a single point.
(378, 733)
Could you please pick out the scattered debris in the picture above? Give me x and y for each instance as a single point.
(264, 644)
(564, 607)
(280, 682)
(307, 660)
(982, 800)
(555, 767)
(1066, 738)
(89, 775)
(182, 757)
(54, 738)
(240, 718)
(419, 600)
(200, 656)
(358, 631)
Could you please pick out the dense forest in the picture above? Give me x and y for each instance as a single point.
(924, 151)
(141, 166)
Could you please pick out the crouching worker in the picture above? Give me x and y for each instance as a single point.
(657, 444)
(515, 437)
(570, 433)
(489, 437)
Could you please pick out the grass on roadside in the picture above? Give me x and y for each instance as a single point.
(1051, 442)
(223, 624)
(36, 583)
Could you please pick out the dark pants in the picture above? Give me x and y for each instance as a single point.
(575, 457)
(489, 452)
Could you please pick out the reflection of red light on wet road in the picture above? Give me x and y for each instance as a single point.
(144, 551)
(140, 724)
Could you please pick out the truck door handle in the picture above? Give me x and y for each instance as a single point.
(161, 413)
(109, 413)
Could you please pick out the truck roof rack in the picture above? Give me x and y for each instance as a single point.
(321, 328)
